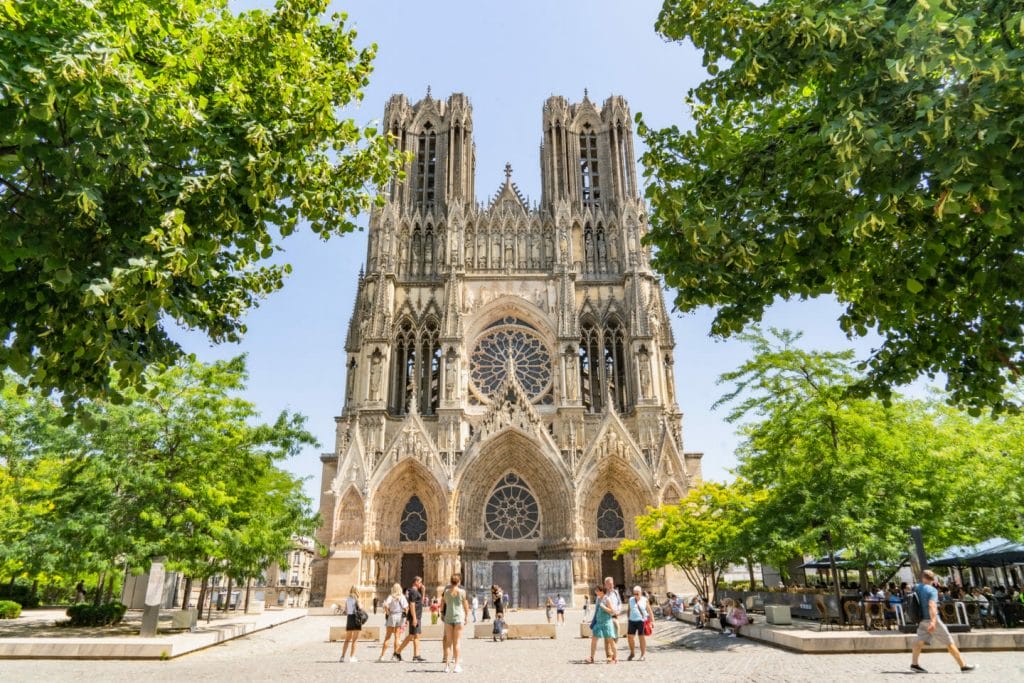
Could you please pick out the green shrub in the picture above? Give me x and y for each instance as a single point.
(86, 614)
(9, 609)
(21, 593)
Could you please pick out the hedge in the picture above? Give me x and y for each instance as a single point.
(9, 609)
(86, 614)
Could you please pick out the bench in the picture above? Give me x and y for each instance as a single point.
(518, 631)
(585, 628)
(368, 633)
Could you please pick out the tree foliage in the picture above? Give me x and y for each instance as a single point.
(838, 471)
(699, 535)
(152, 155)
(186, 470)
(870, 149)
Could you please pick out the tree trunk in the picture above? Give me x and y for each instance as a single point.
(750, 569)
(227, 600)
(188, 593)
(110, 589)
(99, 589)
(248, 587)
(201, 602)
(835, 582)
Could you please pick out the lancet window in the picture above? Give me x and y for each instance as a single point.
(416, 369)
(595, 248)
(603, 366)
(590, 367)
(589, 177)
(403, 368)
(615, 365)
(426, 166)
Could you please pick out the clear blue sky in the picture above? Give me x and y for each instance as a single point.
(507, 57)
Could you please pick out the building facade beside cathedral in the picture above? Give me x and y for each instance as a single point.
(509, 404)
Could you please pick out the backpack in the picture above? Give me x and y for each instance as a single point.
(912, 607)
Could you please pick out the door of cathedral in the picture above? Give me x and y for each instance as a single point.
(528, 597)
(412, 566)
(501, 575)
(613, 567)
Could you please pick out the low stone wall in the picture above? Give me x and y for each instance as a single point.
(367, 633)
(518, 631)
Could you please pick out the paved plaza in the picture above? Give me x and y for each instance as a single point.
(298, 651)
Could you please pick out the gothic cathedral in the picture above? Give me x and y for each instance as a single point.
(509, 402)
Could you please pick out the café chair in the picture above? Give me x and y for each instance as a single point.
(876, 614)
(827, 620)
(854, 614)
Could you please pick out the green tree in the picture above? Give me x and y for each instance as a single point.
(700, 536)
(841, 472)
(869, 149)
(185, 469)
(152, 155)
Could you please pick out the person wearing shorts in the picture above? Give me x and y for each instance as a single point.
(415, 597)
(931, 630)
(639, 612)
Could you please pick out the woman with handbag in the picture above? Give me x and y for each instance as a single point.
(394, 612)
(603, 627)
(639, 615)
(355, 617)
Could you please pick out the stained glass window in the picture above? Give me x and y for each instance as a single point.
(515, 340)
(610, 523)
(414, 521)
(512, 512)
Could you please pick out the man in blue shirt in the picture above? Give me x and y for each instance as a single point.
(931, 629)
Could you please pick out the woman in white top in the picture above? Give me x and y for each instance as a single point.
(395, 606)
(352, 626)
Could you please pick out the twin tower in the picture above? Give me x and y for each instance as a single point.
(509, 403)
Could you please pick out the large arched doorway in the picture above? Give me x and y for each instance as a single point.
(513, 501)
(410, 516)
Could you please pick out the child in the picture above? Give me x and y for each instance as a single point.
(499, 632)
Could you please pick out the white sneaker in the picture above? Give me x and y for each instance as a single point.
(458, 668)
(447, 669)
(352, 660)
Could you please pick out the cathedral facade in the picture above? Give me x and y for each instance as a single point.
(509, 403)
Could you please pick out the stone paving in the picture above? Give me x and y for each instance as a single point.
(299, 651)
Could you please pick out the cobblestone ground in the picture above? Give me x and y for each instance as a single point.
(298, 651)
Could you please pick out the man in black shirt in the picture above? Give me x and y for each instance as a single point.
(415, 597)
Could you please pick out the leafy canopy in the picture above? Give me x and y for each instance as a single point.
(185, 469)
(869, 149)
(152, 155)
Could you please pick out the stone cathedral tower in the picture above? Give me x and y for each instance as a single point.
(509, 402)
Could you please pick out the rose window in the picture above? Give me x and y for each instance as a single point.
(512, 512)
(510, 343)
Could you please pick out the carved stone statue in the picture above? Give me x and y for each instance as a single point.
(375, 363)
(451, 369)
(645, 374)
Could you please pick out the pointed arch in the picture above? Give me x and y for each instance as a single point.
(670, 495)
(349, 519)
(392, 493)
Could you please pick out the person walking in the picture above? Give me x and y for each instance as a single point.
(80, 592)
(414, 596)
(604, 627)
(456, 613)
(474, 607)
(496, 599)
(352, 626)
(395, 607)
(639, 612)
(586, 606)
(549, 608)
(560, 609)
(931, 629)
